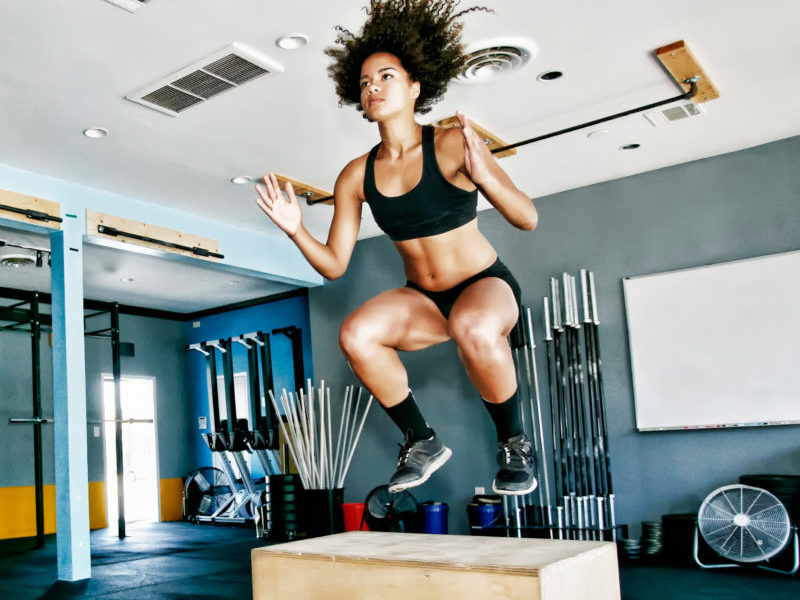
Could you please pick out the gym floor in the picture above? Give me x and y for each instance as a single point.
(179, 560)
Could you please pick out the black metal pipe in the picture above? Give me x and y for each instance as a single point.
(554, 415)
(117, 370)
(37, 414)
(685, 96)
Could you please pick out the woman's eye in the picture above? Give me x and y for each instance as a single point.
(387, 76)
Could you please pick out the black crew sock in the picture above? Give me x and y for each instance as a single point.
(407, 417)
(506, 417)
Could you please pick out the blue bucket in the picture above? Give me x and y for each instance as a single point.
(434, 516)
(482, 516)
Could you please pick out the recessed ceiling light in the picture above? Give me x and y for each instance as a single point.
(630, 146)
(242, 179)
(126, 279)
(233, 282)
(549, 75)
(16, 261)
(95, 132)
(292, 41)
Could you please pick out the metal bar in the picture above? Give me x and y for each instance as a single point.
(35, 215)
(28, 421)
(18, 304)
(114, 232)
(117, 369)
(37, 414)
(123, 421)
(211, 380)
(295, 335)
(98, 332)
(270, 417)
(692, 82)
(94, 314)
(230, 390)
(254, 380)
(685, 96)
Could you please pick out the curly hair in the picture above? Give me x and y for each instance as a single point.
(422, 34)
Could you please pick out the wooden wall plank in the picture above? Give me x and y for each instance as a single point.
(29, 203)
(95, 219)
(679, 62)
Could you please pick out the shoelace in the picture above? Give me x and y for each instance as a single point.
(519, 449)
(405, 450)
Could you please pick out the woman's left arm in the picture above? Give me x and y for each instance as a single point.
(494, 182)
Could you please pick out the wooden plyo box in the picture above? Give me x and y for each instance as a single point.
(361, 565)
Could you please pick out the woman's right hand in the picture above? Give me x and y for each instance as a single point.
(284, 212)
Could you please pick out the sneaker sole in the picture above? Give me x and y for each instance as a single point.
(522, 492)
(443, 457)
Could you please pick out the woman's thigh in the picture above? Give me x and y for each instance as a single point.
(400, 318)
(488, 303)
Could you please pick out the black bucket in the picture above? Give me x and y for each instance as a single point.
(321, 512)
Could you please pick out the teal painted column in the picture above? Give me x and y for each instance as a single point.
(69, 400)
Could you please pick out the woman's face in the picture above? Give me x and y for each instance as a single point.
(386, 87)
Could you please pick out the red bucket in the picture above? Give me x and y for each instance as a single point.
(353, 515)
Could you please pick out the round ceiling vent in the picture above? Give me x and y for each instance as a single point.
(16, 261)
(495, 59)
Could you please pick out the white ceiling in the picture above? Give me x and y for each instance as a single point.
(67, 66)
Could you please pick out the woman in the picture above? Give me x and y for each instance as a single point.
(421, 184)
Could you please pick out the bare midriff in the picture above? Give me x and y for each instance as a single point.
(439, 262)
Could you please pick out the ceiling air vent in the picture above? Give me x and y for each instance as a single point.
(225, 69)
(674, 113)
(494, 59)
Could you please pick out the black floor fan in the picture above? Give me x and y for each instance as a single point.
(388, 511)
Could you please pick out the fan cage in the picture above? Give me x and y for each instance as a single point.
(743, 523)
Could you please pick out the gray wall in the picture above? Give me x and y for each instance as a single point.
(159, 349)
(729, 207)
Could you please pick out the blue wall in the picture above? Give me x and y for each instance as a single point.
(264, 317)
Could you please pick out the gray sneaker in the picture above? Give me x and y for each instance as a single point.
(517, 467)
(417, 461)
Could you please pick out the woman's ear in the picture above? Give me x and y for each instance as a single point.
(415, 88)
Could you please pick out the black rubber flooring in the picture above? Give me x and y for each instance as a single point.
(167, 561)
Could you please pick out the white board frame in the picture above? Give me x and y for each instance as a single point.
(716, 346)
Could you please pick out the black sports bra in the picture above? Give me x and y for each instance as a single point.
(434, 206)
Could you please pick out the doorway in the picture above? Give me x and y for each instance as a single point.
(139, 450)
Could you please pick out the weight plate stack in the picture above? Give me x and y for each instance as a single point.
(281, 506)
(785, 488)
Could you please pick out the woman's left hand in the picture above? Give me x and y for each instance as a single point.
(477, 156)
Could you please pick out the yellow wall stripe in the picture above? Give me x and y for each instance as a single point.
(172, 499)
(18, 517)
(18, 514)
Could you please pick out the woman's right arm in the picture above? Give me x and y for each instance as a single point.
(331, 258)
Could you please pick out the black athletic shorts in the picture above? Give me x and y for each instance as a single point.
(445, 299)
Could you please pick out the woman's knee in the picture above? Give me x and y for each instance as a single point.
(474, 332)
(357, 335)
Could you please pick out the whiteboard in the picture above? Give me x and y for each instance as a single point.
(716, 346)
